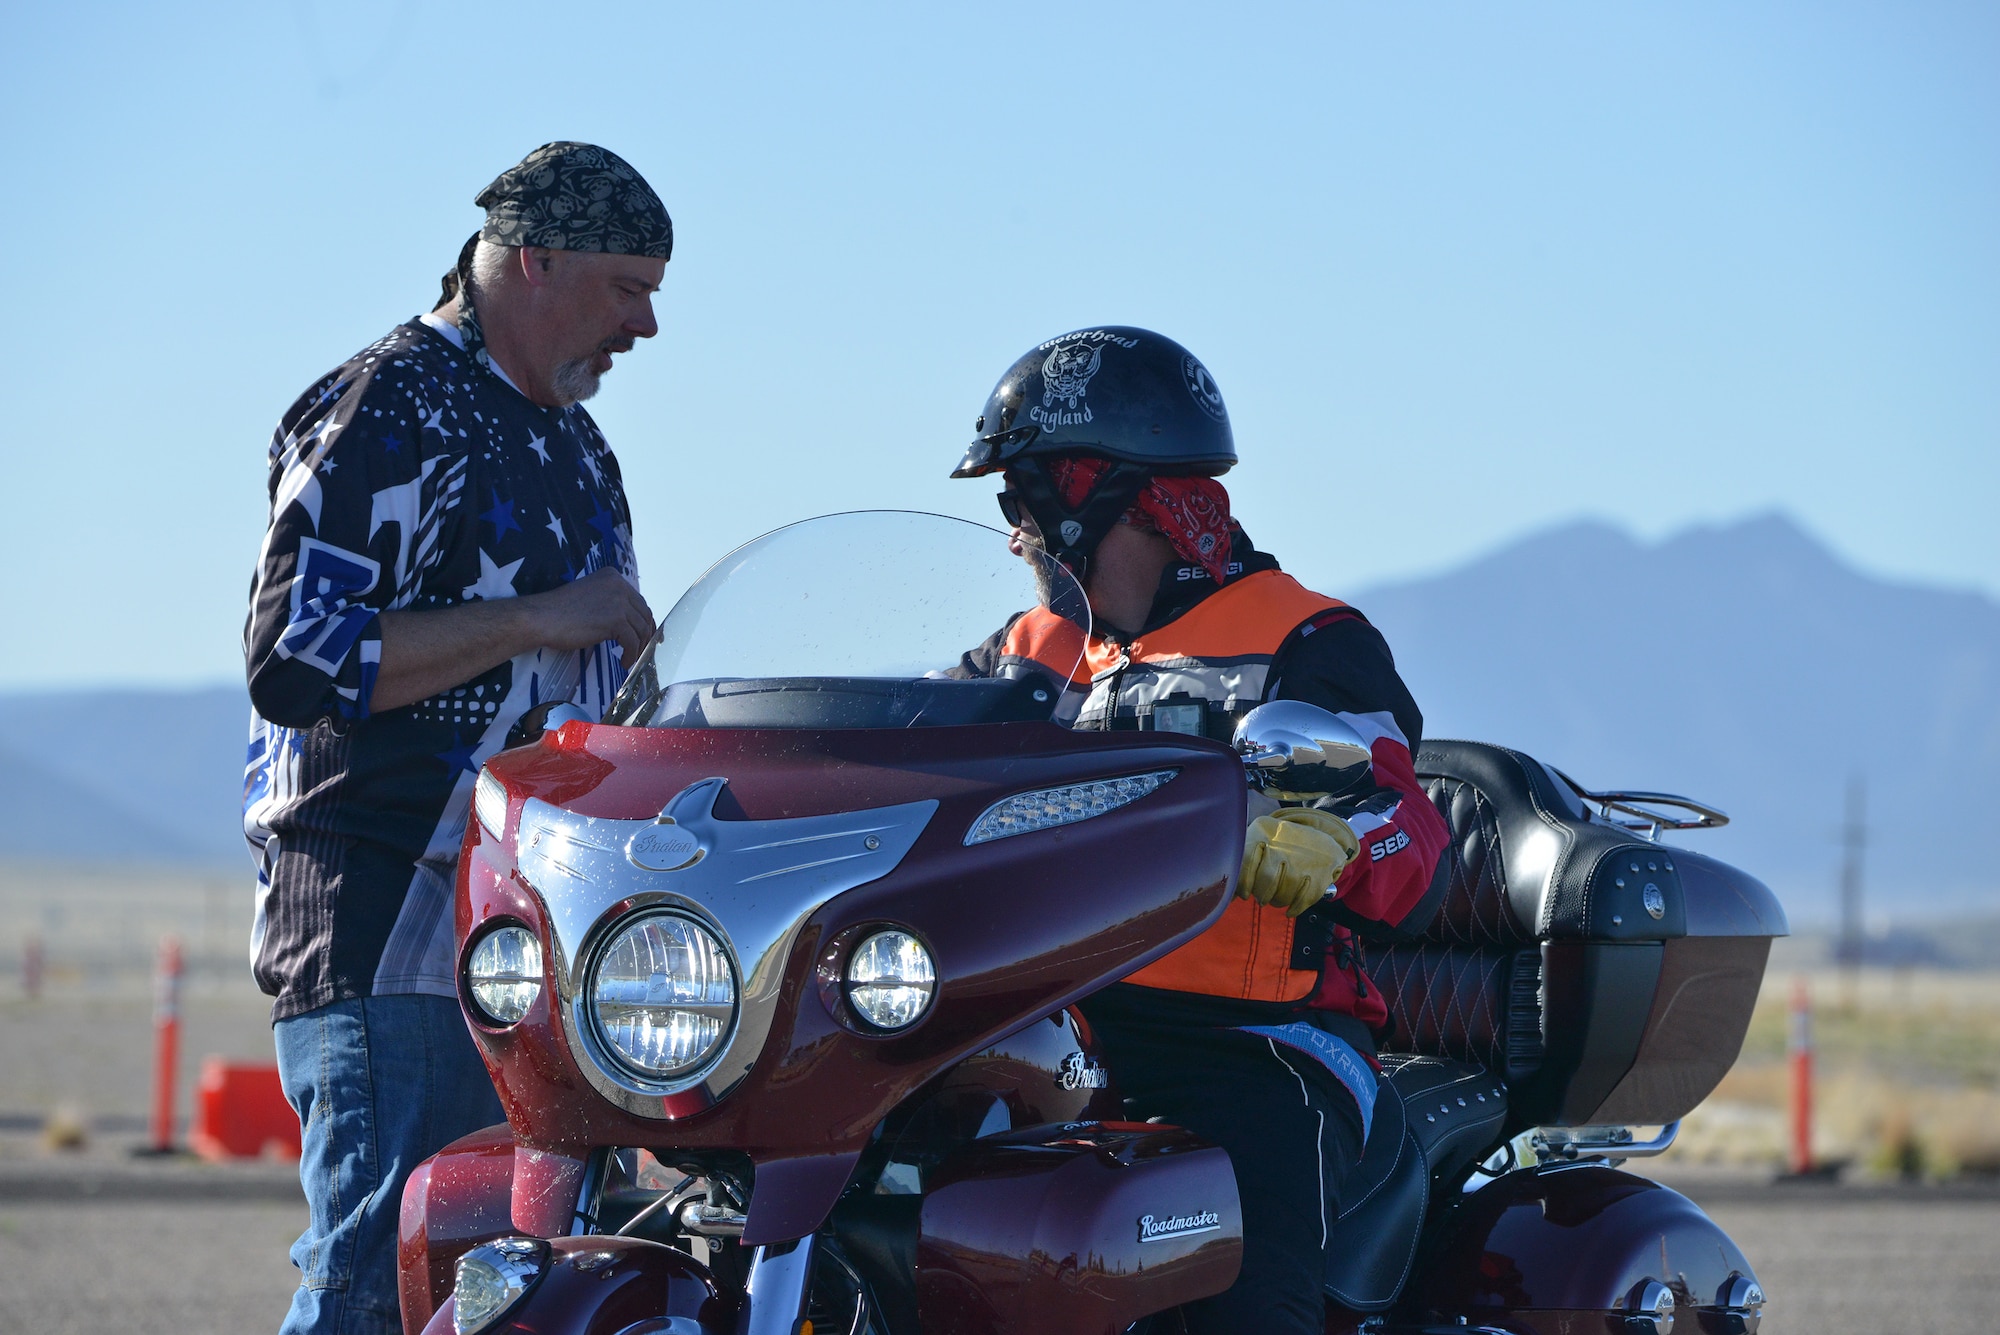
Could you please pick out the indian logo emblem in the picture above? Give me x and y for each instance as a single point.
(1655, 902)
(1201, 385)
(664, 846)
(1081, 1072)
(1067, 371)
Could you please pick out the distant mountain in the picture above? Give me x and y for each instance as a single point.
(149, 775)
(1745, 665)
(51, 818)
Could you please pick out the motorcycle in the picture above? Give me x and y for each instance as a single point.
(775, 970)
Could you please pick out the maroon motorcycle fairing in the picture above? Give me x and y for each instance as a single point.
(1016, 931)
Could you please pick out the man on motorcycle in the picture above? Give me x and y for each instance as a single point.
(1257, 1035)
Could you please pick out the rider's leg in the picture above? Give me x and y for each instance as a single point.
(1292, 1133)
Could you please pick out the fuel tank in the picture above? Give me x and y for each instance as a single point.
(1047, 1072)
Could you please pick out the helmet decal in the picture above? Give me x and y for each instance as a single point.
(1067, 372)
(1202, 386)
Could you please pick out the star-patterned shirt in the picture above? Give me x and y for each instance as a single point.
(411, 477)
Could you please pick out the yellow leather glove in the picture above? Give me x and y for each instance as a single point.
(1291, 857)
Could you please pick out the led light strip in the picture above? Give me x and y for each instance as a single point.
(1048, 808)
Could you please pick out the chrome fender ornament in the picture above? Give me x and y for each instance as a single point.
(664, 846)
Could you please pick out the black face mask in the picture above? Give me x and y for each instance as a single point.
(1070, 535)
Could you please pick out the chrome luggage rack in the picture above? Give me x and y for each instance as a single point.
(1613, 1144)
(1634, 811)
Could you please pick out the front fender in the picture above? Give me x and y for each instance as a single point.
(597, 1285)
(453, 1201)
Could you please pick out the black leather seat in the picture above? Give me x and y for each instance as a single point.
(1433, 1118)
(1539, 965)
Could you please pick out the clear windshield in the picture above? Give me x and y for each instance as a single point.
(874, 618)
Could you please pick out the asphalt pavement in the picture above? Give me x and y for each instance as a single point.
(100, 1241)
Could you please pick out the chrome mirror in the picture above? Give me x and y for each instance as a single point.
(1301, 748)
(545, 717)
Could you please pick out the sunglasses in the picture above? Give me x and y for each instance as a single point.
(1011, 508)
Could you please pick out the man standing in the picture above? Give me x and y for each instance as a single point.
(449, 549)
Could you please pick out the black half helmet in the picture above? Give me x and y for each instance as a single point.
(1126, 394)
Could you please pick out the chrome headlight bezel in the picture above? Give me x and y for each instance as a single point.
(514, 1265)
(582, 870)
(609, 1053)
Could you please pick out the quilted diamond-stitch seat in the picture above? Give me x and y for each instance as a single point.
(1467, 989)
(1601, 976)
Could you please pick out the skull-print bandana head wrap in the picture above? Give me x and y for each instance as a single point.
(564, 196)
(1191, 513)
(571, 196)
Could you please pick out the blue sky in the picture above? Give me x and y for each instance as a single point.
(1462, 271)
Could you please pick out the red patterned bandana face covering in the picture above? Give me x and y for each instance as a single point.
(1191, 513)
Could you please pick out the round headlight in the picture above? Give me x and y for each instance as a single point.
(890, 980)
(504, 974)
(492, 1279)
(663, 995)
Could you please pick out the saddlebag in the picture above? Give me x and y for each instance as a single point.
(1079, 1229)
(1605, 978)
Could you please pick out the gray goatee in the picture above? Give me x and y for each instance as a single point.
(574, 381)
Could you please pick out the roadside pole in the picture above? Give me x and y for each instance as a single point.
(166, 1044)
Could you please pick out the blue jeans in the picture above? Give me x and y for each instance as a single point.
(380, 1084)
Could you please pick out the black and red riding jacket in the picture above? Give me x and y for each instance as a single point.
(1208, 656)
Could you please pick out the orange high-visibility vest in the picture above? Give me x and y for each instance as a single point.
(1196, 674)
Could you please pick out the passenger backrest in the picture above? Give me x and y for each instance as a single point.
(1548, 963)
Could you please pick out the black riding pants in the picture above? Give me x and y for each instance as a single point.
(1292, 1131)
